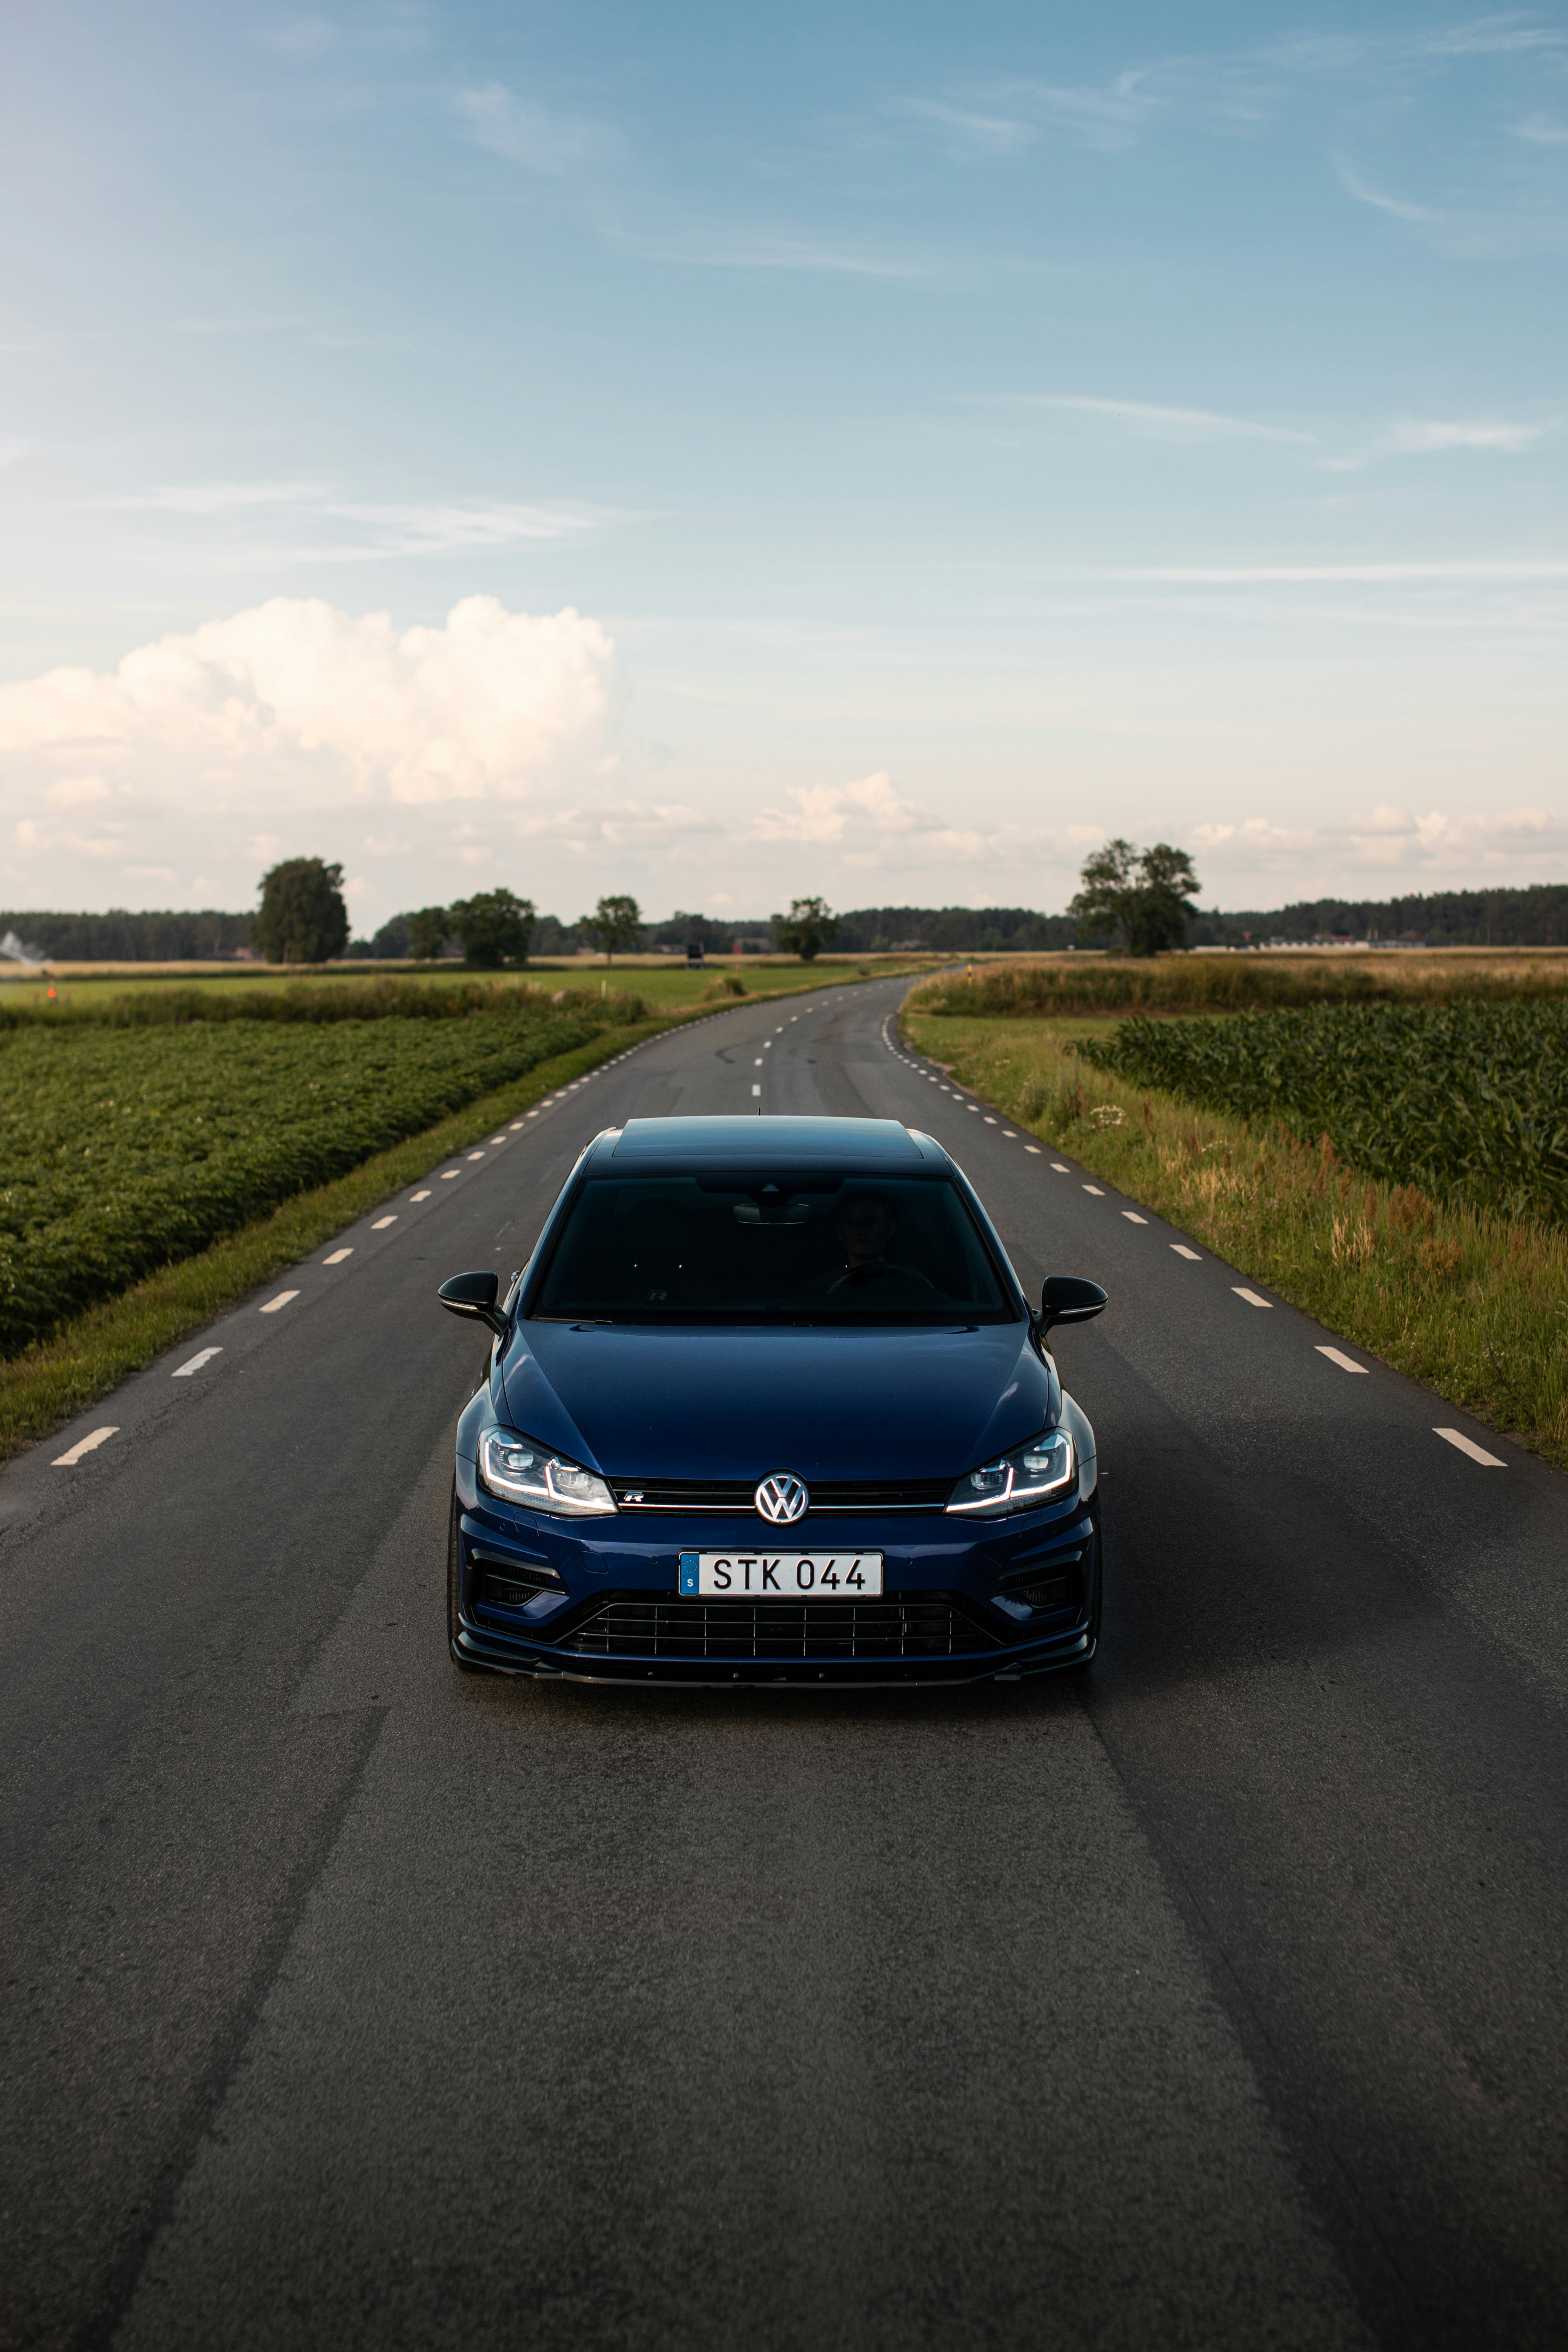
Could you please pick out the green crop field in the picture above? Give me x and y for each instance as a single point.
(124, 1148)
(1467, 1101)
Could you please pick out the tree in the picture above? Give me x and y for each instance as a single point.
(303, 918)
(806, 929)
(1142, 893)
(427, 931)
(495, 926)
(613, 923)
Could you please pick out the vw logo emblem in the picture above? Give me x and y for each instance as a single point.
(782, 1499)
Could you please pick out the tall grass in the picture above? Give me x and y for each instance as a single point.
(346, 1000)
(1231, 983)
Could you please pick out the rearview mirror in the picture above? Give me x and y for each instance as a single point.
(1068, 1298)
(475, 1296)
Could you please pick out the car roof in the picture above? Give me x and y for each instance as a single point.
(883, 1145)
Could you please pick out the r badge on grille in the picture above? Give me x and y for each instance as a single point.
(782, 1498)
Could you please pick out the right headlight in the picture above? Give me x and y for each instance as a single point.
(526, 1472)
(1030, 1475)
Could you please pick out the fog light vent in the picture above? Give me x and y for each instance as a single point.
(1050, 1592)
(517, 1591)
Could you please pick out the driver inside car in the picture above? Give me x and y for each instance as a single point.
(866, 1225)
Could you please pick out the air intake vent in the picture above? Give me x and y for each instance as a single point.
(780, 1630)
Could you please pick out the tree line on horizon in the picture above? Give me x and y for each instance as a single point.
(1535, 916)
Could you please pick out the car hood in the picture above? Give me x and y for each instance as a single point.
(700, 1403)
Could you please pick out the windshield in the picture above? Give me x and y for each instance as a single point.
(753, 1248)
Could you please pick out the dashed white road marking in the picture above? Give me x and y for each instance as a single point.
(516, 1122)
(1250, 1295)
(83, 1445)
(184, 1371)
(1133, 1218)
(447, 1174)
(380, 1227)
(274, 1304)
(1033, 1148)
(533, 1114)
(1182, 1251)
(1095, 1189)
(758, 1062)
(989, 1120)
(1454, 1437)
(337, 1257)
(1011, 1132)
(1345, 1363)
(756, 1090)
(1061, 1168)
(474, 1155)
(495, 1139)
(975, 1107)
(420, 1196)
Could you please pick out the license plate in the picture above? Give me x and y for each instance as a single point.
(781, 1575)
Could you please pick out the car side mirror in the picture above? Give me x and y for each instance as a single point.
(475, 1296)
(1068, 1298)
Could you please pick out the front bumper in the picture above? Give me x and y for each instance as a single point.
(611, 1613)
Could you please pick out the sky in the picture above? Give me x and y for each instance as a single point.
(727, 454)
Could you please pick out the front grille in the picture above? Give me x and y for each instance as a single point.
(738, 1494)
(778, 1629)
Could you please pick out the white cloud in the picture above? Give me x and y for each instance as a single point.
(1542, 131)
(558, 145)
(294, 704)
(1469, 235)
(870, 824)
(1366, 849)
(1416, 438)
(212, 498)
(1144, 415)
(1227, 575)
(969, 131)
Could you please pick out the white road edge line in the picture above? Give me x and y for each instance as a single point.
(184, 1371)
(274, 1304)
(83, 1445)
(1345, 1363)
(1250, 1295)
(1454, 1437)
(1182, 1251)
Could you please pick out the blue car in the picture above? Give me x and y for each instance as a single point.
(768, 1404)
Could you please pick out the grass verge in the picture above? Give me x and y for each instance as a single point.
(1473, 1304)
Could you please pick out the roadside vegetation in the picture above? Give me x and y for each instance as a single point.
(1470, 1101)
(1468, 1299)
(1234, 983)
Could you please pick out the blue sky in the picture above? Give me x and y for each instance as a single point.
(723, 455)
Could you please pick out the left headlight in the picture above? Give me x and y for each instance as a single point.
(1030, 1475)
(526, 1472)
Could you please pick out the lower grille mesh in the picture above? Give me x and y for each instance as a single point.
(778, 1629)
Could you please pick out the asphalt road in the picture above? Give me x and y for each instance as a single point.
(1214, 1998)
